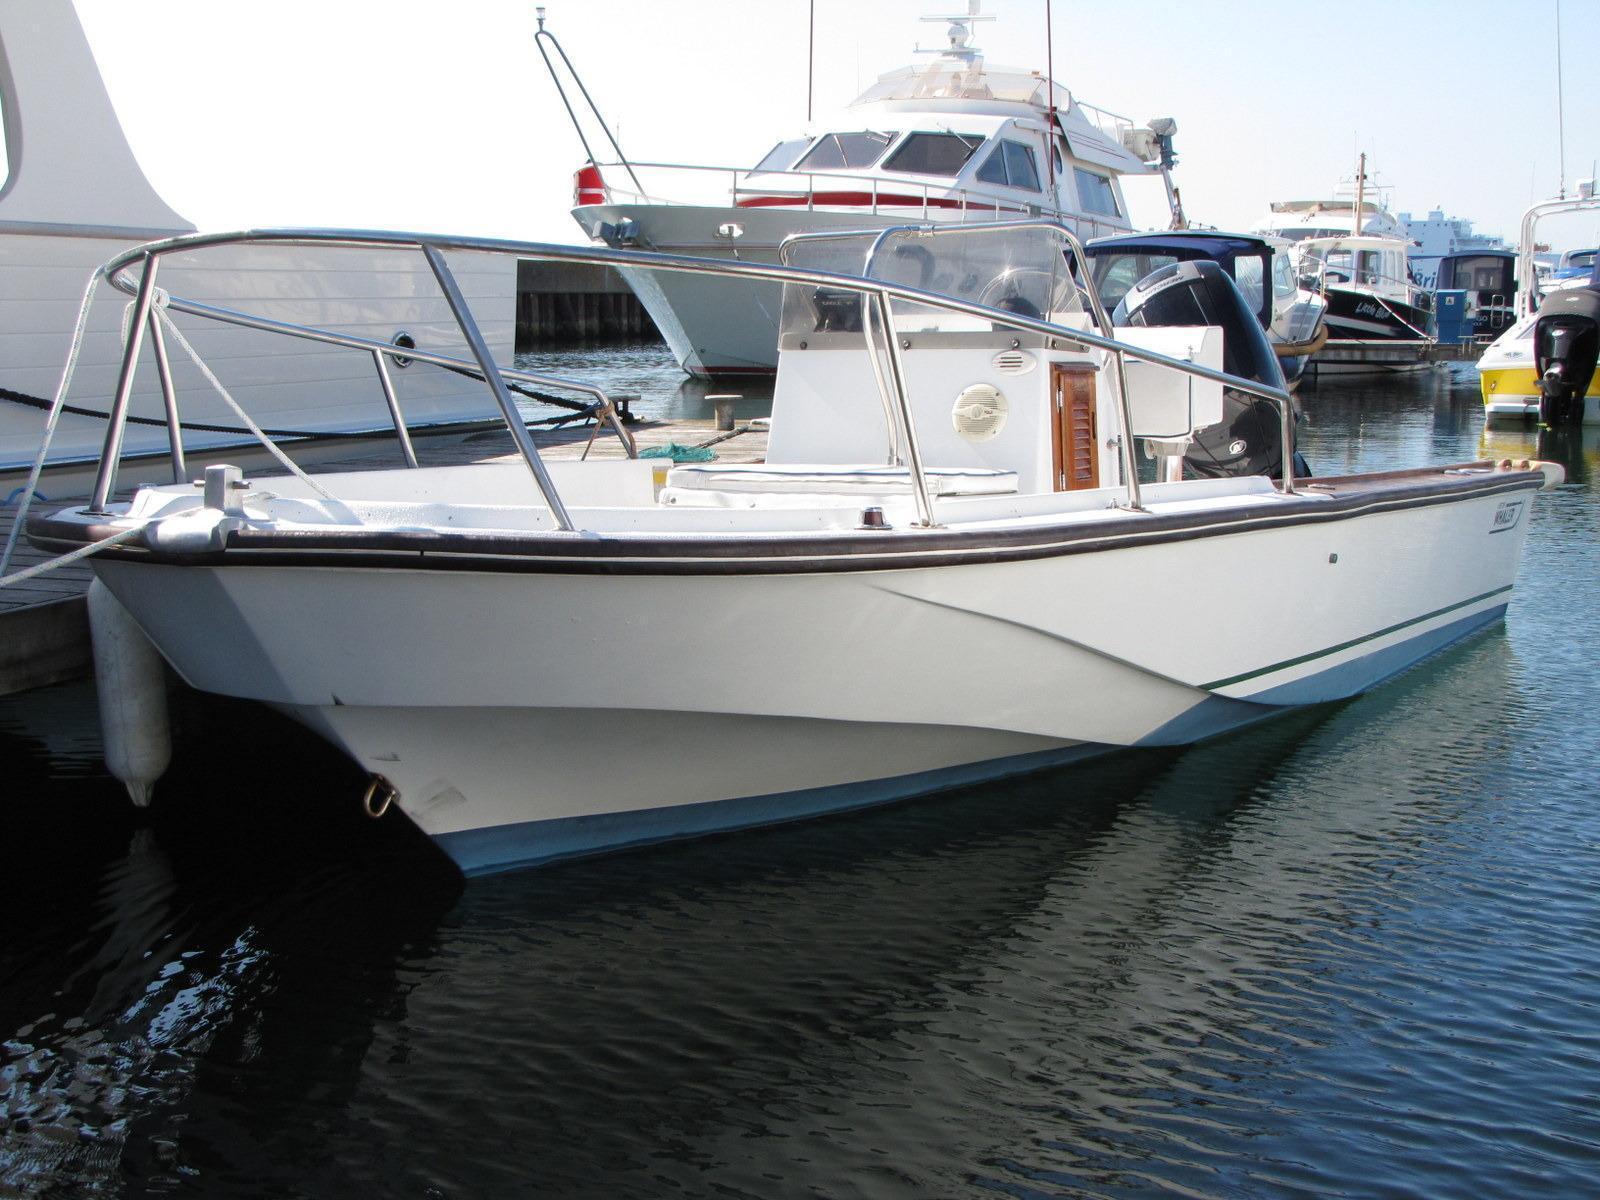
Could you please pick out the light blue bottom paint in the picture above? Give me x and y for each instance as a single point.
(530, 843)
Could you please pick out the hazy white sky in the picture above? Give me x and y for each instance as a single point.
(426, 115)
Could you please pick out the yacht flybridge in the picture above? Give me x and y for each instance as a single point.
(949, 562)
(956, 139)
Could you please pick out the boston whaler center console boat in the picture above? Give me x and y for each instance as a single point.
(951, 564)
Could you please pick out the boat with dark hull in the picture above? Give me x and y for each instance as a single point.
(1378, 319)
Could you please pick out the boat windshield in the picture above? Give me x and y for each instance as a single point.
(850, 151)
(1018, 268)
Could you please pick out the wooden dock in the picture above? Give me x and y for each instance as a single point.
(44, 629)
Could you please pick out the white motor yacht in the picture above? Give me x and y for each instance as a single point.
(947, 569)
(956, 139)
(75, 194)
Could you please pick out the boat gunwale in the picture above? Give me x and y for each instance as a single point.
(553, 552)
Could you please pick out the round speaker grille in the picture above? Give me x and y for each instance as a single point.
(979, 412)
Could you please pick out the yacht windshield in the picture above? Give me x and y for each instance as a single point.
(1021, 269)
(782, 156)
(933, 153)
(850, 151)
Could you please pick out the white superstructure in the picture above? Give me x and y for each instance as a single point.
(1435, 236)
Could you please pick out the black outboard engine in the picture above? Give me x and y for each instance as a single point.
(1249, 439)
(1566, 342)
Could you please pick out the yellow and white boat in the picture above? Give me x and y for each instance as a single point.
(1507, 375)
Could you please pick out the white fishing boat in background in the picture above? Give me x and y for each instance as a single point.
(953, 567)
(74, 194)
(1510, 370)
(1378, 319)
(954, 140)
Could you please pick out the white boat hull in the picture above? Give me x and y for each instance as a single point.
(530, 716)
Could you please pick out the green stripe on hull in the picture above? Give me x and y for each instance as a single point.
(1316, 654)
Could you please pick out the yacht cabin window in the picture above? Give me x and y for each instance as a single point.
(845, 150)
(933, 153)
(1283, 280)
(1010, 164)
(1095, 193)
(782, 156)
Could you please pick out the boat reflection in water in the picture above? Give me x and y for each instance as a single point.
(1042, 983)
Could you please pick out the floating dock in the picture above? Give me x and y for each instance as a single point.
(577, 302)
(44, 628)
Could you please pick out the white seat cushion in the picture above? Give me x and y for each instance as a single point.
(834, 479)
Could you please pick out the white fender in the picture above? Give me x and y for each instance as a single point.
(130, 678)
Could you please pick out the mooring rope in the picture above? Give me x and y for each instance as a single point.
(71, 556)
(261, 435)
(67, 370)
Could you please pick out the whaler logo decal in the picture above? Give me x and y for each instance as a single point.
(1507, 515)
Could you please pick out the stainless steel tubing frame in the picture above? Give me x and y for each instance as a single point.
(433, 247)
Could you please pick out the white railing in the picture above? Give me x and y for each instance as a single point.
(882, 195)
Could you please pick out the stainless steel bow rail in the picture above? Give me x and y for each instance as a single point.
(135, 271)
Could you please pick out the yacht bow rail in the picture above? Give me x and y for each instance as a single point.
(134, 272)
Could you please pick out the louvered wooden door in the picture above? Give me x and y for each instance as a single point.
(1074, 447)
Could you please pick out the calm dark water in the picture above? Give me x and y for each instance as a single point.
(1351, 953)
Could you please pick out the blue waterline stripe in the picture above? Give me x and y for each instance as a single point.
(1316, 654)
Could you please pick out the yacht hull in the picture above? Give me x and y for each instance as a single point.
(527, 710)
(721, 329)
(313, 390)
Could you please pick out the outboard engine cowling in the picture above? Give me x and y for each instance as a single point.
(1249, 439)
(1566, 343)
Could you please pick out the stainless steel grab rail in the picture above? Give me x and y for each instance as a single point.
(117, 273)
